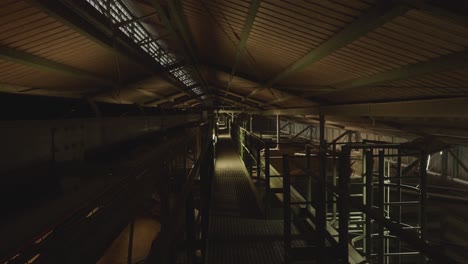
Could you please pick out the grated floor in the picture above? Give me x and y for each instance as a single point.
(237, 234)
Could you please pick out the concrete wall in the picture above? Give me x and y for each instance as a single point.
(25, 143)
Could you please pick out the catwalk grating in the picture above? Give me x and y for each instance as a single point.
(237, 234)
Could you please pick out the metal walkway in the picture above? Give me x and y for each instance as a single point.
(237, 234)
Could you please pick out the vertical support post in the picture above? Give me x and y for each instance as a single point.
(287, 207)
(309, 178)
(423, 187)
(321, 201)
(398, 217)
(267, 179)
(206, 179)
(97, 111)
(130, 241)
(251, 161)
(380, 253)
(335, 182)
(190, 229)
(343, 204)
(444, 165)
(259, 161)
(278, 131)
(369, 201)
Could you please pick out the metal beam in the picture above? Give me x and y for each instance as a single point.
(234, 102)
(13, 55)
(136, 19)
(175, 9)
(158, 101)
(272, 103)
(254, 6)
(384, 11)
(248, 99)
(454, 107)
(129, 85)
(242, 97)
(454, 11)
(87, 21)
(96, 30)
(459, 161)
(444, 63)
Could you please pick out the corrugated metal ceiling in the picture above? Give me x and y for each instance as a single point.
(282, 33)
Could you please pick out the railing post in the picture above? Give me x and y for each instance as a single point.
(287, 207)
(190, 229)
(369, 201)
(344, 204)
(267, 179)
(206, 179)
(259, 162)
(321, 214)
(130, 241)
(423, 187)
(399, 199)
(380, 253)
(309, 178)
(251, 161)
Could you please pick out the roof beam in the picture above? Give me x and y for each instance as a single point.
(383, 12)
(96, 30)
(260, 103)
(231, 101)
(136, 19)
(454, 107)
(453, 10)
(241, 96)
(129, 85)
(87, 21)
(13, 55)
(376, 17)
(249, 21)
(444, 63)
(175, 9)
(160, 100)
(286, 96)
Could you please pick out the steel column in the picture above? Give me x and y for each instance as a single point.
(309, 178)
(423, 187)
(343, 205)
(278, 131)
(267, 179)
(287, 208)
(190, 235)
(321, 193)
(381, 245)
(369, 201)
(130, 241)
